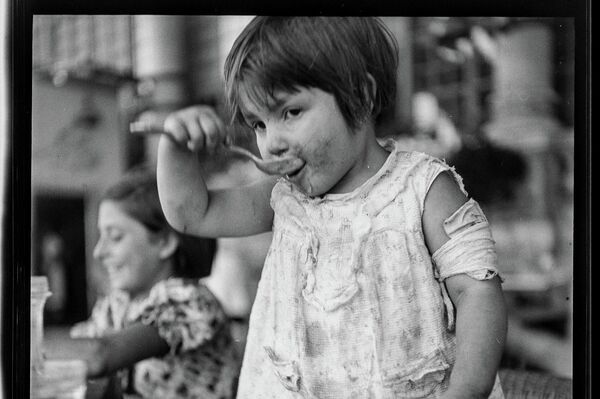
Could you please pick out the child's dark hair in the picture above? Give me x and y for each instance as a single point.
(334, 54)
(137, 194)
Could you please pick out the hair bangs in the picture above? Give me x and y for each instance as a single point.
(259, 83)
(266, 58)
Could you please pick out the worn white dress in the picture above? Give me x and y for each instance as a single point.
(350, 303)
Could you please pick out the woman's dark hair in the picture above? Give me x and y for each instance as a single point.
(137, 194)
(334, 54)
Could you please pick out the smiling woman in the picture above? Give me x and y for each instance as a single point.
(159, 328)
(135, 259)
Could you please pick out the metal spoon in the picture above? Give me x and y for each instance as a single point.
(278, 166)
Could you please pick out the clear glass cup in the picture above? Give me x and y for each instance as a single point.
(60, 379)
(39, 294)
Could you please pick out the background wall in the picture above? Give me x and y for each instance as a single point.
(78, 148)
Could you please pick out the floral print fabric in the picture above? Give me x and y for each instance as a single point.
(202, 362)
(350, 303)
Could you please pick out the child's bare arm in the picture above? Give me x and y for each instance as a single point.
(480, 334)
(480, 309)
(187, 203)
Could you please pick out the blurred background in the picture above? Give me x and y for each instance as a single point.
(492, 96)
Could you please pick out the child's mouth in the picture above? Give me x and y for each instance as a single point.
(293, 174)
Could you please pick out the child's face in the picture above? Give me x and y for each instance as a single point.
(308, 124)
(127, 249)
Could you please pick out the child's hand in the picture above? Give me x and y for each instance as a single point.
(198, 127)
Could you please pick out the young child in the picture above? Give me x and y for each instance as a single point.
(381, 279)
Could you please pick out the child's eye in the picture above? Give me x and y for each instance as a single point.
(258, 126)
(292, 113)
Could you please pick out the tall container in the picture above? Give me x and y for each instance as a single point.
(39, 294)
(51, 379)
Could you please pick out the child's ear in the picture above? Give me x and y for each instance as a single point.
(170, 242)
(371, 90)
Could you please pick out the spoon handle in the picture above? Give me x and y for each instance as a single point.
(147, 129)
(242, 151)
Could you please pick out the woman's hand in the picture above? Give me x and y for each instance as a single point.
(198, 128)
(96, 361)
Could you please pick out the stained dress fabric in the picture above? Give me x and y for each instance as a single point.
(350, 303)
(202, 362)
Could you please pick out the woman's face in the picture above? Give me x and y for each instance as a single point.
(130, 253)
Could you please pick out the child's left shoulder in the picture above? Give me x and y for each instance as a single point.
(418, 170)
(423, 159)
(407, 155)
(417, 164)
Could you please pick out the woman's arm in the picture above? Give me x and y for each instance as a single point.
(124, 348)
(480, 309)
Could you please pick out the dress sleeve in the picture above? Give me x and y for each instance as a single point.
(107, 315)
(423, 171)
(185, 312)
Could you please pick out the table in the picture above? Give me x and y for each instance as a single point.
(59, 346)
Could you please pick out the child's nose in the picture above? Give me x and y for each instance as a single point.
(276, 144)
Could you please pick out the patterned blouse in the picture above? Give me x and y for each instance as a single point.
(350, 303)
(202, 362)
